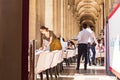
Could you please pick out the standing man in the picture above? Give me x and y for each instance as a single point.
(83, 37)
(92, 43)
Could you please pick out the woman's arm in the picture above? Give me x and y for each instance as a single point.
(43, 45)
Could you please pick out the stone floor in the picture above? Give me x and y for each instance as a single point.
(92, 73)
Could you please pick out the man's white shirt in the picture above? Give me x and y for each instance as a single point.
(92, 38)
(84, 36)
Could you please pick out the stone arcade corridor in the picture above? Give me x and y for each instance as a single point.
(21, 56)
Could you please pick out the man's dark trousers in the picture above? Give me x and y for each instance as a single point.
(82, 50)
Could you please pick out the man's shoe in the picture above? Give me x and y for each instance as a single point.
(94, 64)
(77, 68)
(85, 68)
(89, 64)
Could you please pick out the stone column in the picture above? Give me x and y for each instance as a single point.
(102, 24)
(65, 14)
(62, 18)
(77, 26)
(40, 20)
(49, 14)
(97, 27)
(110, 4)
(68, 25)
(98, 32)
(106, 7)
(99, 17)
(57, 16)
(32, 20)
(74, 27)
(72, 30)
(71, 25)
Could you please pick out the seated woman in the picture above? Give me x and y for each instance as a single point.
(53, 42)
(71, 45)
(100, 52)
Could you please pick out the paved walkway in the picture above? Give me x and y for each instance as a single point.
(92, 73)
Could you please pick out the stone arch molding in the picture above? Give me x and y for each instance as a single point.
(88, 10)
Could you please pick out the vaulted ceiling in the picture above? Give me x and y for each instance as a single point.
(87, 10)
